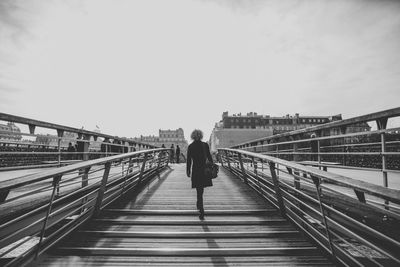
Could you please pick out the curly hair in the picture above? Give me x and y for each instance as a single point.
(196, 135)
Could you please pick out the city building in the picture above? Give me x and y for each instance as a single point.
(277, 124)
(10, 131)
(166, 138)
(52, 140)
(237, 128)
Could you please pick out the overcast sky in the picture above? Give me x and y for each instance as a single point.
(133, 67)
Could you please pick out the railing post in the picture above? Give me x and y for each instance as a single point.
(128, 171)
(159, 163)
(130, 165)
(102, 188)
(227, 159)
(296, 180)
(85, 176)
(381, 125)
(277, 156)
(244, 176)
(343, 131)
(319, 154)
(60, 134)
(295, 149)
(143, 168)
(86, 144)
(278, 194)
(56, 181)
(317, 183)
(256, 172)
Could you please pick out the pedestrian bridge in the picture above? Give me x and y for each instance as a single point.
(136, 208)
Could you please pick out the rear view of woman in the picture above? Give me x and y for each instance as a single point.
(197, 153)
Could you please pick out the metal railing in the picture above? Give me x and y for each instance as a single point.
(336, 145)
(44, 207)
(343, 216)
(23, 149)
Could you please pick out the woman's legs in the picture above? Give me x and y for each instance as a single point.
(200, 207)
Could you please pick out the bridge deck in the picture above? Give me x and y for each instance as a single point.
(160, 226)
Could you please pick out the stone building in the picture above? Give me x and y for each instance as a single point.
(10, 131)
(237, 128)
(166, 138)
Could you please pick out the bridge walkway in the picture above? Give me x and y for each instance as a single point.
(159, 225)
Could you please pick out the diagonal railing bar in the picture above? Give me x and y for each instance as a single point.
(318, 203)
(41, 212)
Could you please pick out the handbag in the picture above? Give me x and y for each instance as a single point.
(211, 169)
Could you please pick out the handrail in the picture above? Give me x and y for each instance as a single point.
(36, 177)
(354, 221)
(64, 198)
(366, 150)
(383, 192)
(32, 123)
(16, 154)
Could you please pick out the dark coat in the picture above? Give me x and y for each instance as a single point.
(195, 155)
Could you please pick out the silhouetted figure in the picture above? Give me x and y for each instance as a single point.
(115, 148)
(71, 151)
(172, 155)
(80, 147)
(195, 165)
(177, 153)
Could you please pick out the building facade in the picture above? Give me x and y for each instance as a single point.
(166, 138)
(237, 128)
(10, 131)
(277, 124)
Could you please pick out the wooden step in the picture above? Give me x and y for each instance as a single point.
(159, 226)
(191, 222)
(284, 226)
(210, 252)
(163, 234)
(188, 212)
(106, 261)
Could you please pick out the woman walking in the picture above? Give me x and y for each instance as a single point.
(197, 153)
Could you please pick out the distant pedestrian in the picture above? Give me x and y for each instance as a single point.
(115, 147)
(177, 153)
(71, 151)
(80, 148)
(197, 153)
(162, 153)
(172, 155)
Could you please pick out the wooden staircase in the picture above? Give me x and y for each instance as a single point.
(160, 226)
